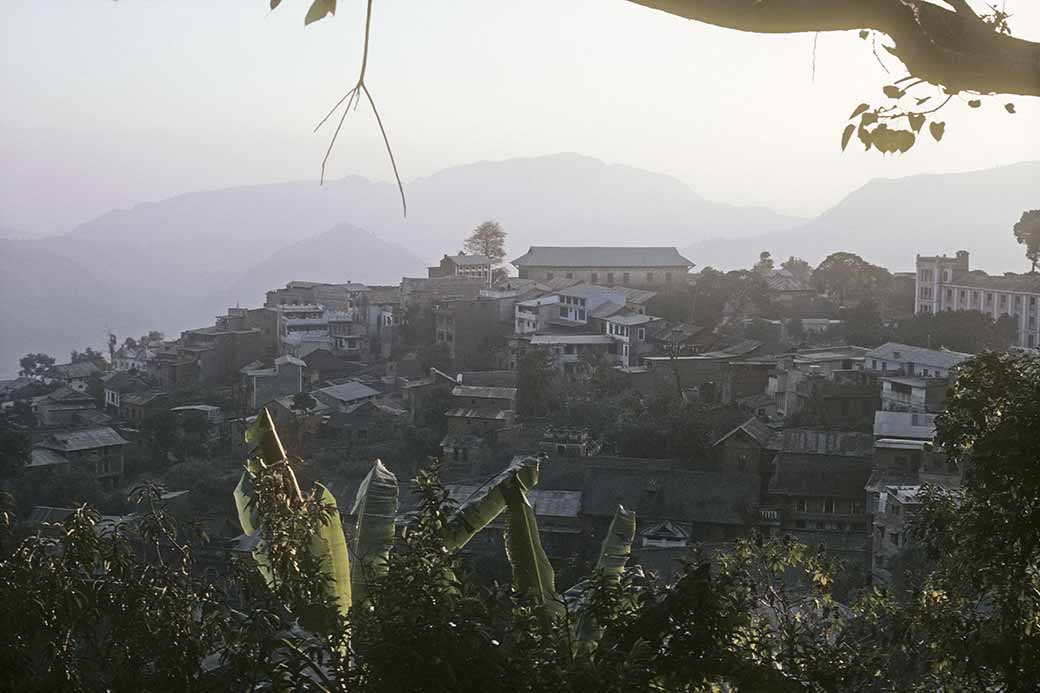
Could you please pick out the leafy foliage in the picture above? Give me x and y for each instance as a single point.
(1027, 233)
(488, 239)
(35, 365)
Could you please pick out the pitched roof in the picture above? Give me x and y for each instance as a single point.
(637, 296)
(347, 392)
(85, 439)
(77, 369)
(144, 398)
(814, 442)
(545, 503)
(484, 392)
(820, 475)
(605, 310)
(125, 382)
(591, 256)
(489, 378)
(758, 431)
(479, 413)
(630, 318)
(939, 358)
(570, 339)
(42, 457)
(469, 260)
(685, 496)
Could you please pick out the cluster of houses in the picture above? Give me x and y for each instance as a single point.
(834, 450)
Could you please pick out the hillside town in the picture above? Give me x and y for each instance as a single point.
(776, 399)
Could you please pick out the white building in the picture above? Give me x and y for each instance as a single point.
(947, 283)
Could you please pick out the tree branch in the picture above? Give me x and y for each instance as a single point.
(950, 48)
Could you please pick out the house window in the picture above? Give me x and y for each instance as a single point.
(828, 505)
(581, 314)
(570, 275)
(668, 276)
(594, 277)
(802, 505)
(610, 277)
(799, 524)
(549, 276)
(893, 537)
(641, 334)
(649, 277)
(624, 278)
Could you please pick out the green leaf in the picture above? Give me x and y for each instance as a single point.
(1009, 107)
(247, 517)
(329, 546)
(533, 575)
(486, 504)
(892, 91)
(263, 435)
(847, 135)
(617, 546)
(375, 509)
(937, 128)
(975, 103)
(863, 34)
(614, 553)
(859, 109)
(319, 10)
(916, 121)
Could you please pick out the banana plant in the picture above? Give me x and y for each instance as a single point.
(375, 509)
(614, 553)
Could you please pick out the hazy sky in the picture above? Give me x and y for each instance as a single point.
(112, 103)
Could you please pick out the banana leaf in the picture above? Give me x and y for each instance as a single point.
(487, 503)
(616, 549)
(329, 546)
(376, 510)
(533, 575)
(247, 517)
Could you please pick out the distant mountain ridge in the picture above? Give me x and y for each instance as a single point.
(889, 220)
(176, 263)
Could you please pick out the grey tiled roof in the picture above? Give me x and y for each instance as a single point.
(79, 369)
(582, 256)
(347, 392)
(470, 260)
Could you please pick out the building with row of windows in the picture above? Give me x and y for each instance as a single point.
(946, 283)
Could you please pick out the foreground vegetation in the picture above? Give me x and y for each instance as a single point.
(89, 608)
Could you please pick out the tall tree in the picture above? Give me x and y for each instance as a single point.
(1027, 233)
(35, 365)
(765, 263)
(848, 277)
(488, 239)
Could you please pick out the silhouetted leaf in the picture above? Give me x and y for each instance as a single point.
(275, 3)
(859, 109)
(916, 121)
(975, 103)
(868, 118)
(846, 136)
(1009, 107)
(937, 129)
(863, 33)
(892, 91)
(319, 10)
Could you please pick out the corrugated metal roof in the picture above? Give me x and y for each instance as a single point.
(86, 439)
(545, 503)
(904, 353)
(593, 256)
(42, 457)
(478, 413)
(348, 392)
(571, 339)
(484, 392)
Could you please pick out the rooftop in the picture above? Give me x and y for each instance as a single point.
(42, 457)
(469, 260)
(832, 476)
(348, 392)
(484, 392)
(919, 356)
(589, 256)
(570, 339)
(627, 318)
(479, 413)
(898, 424)
(545, 503)
(77, 369)
(85, 439)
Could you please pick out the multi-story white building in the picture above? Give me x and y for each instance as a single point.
(948, 283)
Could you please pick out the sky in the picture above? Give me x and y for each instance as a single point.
(108, 104)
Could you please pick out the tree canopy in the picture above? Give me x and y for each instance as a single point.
(489, 240)
(1027, 233)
